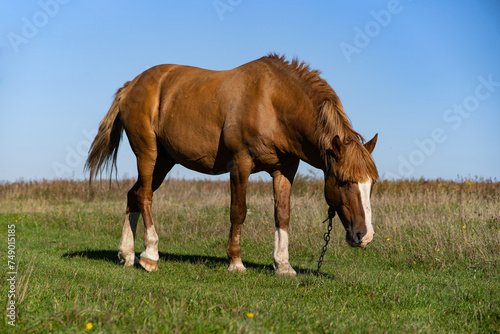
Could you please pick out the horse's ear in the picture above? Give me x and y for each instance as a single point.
(371, 144)
(337, 148)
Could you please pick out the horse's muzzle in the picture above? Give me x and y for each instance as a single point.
(359, 239)
(350, 240)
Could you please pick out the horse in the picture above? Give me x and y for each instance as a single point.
(265, 115)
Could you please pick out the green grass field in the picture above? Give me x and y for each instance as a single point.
(432, 267)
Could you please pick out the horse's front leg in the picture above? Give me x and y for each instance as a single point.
(239, 181)
(282, 185)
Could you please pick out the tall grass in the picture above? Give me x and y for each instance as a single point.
(433, 265)
(460, 219)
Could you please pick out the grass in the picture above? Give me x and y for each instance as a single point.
(432, 267)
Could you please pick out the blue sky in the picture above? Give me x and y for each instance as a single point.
(425, 75)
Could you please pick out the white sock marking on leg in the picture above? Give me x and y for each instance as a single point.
(151, 244)
(280, 251)
(126, 248)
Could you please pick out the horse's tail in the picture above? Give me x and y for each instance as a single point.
(104, 148)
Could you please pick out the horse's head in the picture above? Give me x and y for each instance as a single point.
(348, 184)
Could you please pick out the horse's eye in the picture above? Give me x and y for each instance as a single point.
(345, 184)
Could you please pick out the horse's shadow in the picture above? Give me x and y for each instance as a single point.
(206, 260)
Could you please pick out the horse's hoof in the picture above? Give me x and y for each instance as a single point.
(239, 267)
(149, 265)
(286, 271)
(128, 261)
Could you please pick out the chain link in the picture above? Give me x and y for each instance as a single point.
(326, 237)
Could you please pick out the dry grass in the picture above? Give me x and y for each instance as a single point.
(433, 219)
(433, 265)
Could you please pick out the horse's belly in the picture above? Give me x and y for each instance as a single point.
(197, 152)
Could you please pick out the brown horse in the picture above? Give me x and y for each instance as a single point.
(265, 115)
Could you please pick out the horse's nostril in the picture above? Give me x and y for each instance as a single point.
(359, 237)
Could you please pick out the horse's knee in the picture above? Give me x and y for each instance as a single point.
(238, 213)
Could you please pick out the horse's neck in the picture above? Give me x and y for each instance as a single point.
(307, 149)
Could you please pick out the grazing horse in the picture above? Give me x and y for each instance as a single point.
(265, 115)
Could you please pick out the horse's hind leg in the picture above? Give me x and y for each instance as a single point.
(151, 175)
(126, 251)
(150, 256)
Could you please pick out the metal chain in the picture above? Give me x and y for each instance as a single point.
(326, 237)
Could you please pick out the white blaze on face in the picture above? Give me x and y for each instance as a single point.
(364, 189)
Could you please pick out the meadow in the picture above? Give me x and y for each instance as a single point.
(433, 266)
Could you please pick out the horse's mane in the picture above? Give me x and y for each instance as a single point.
(332, 121)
